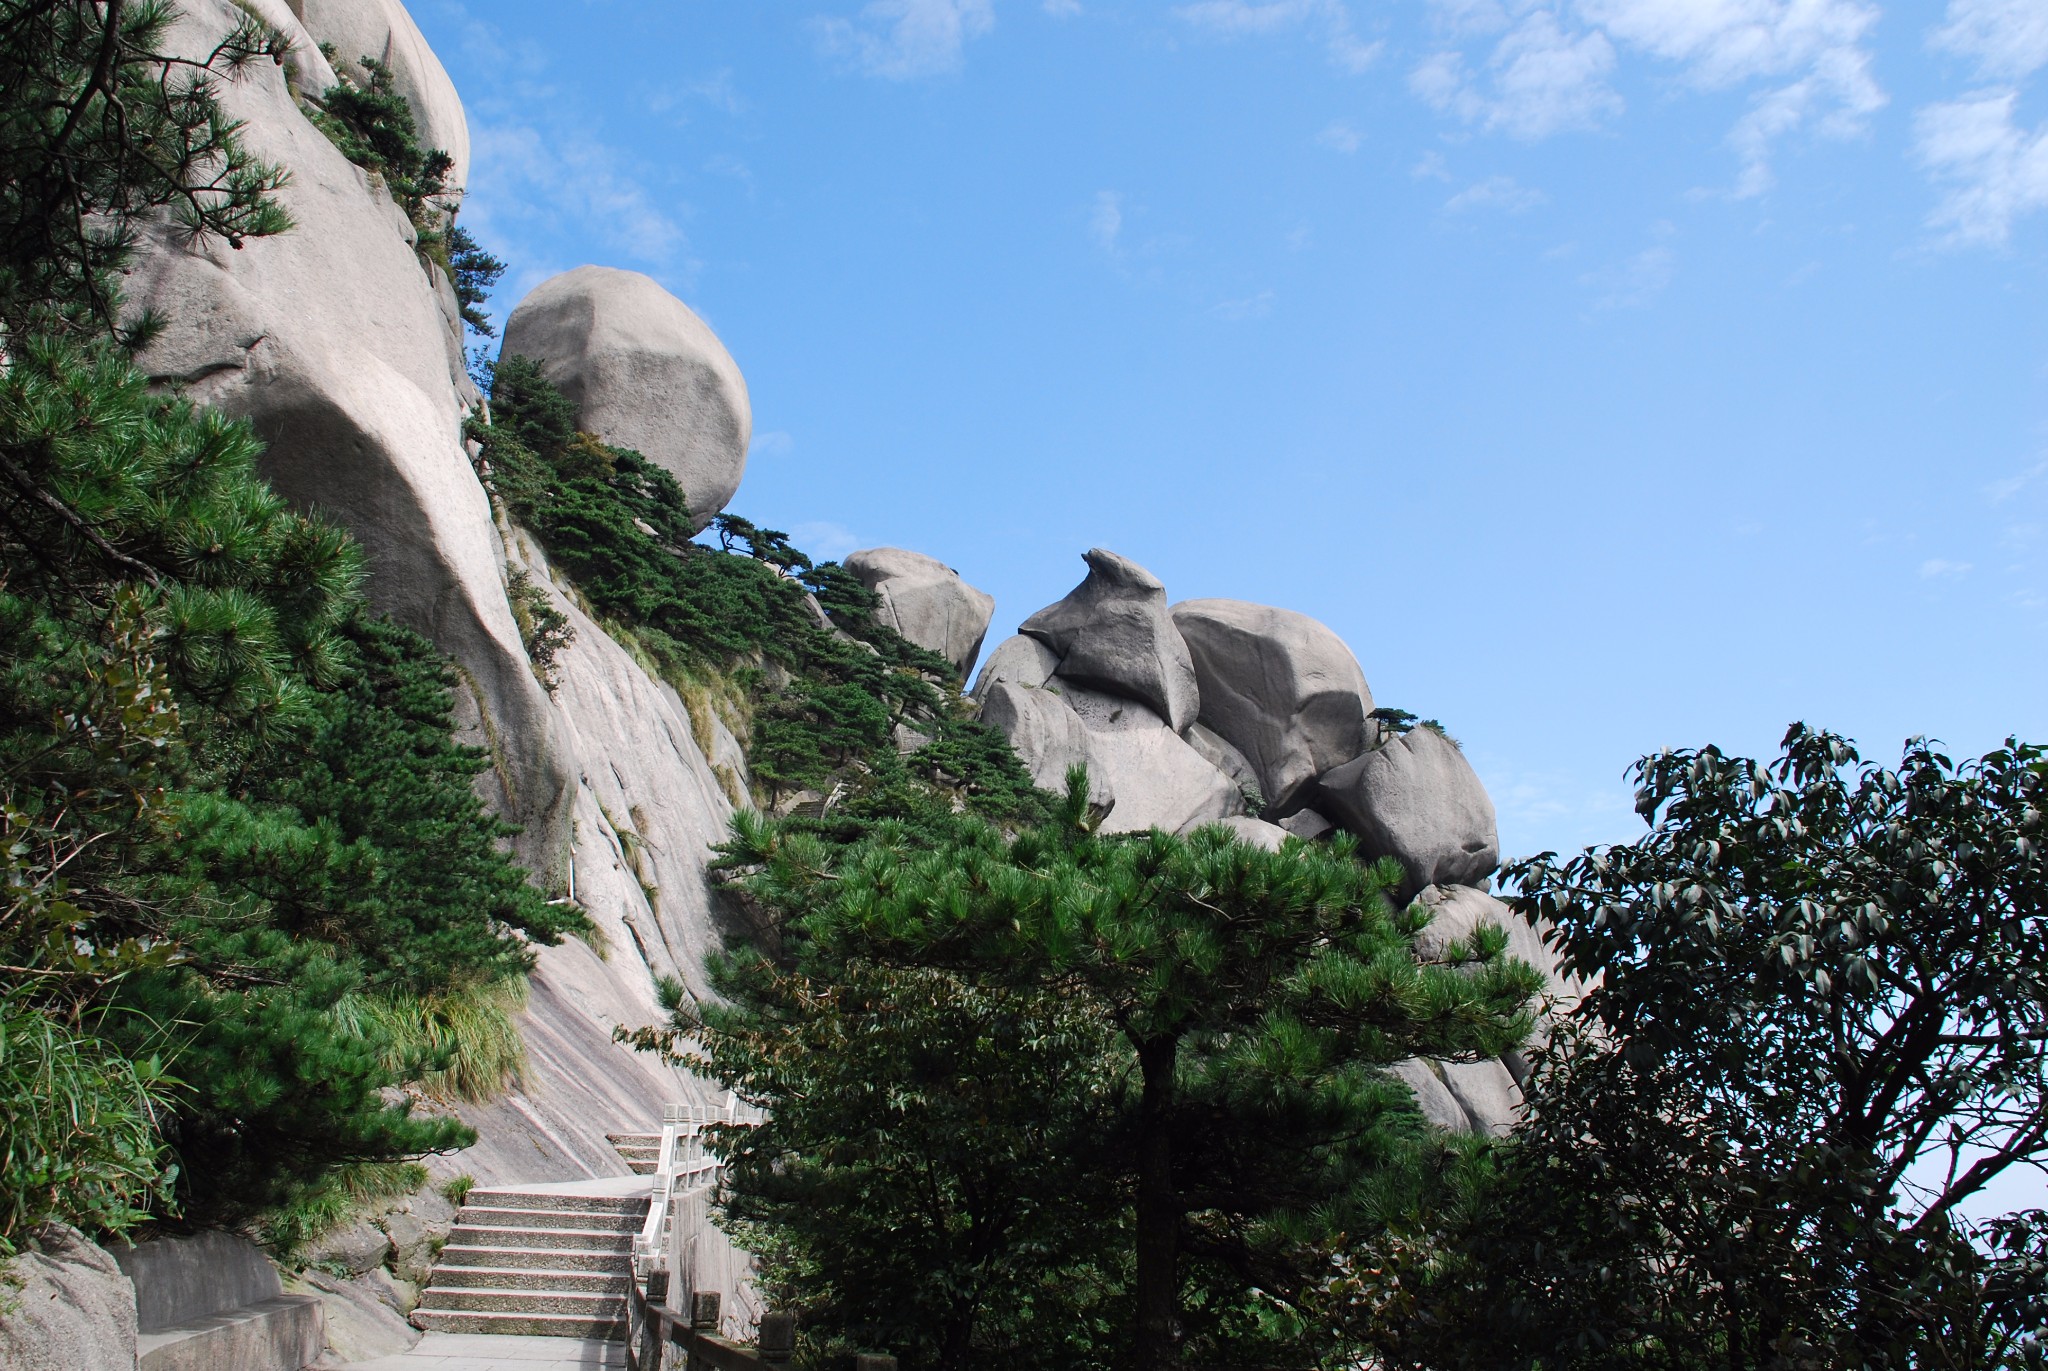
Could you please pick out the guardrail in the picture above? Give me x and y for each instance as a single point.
(652, 1329)
(683, 1181)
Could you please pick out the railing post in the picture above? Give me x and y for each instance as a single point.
(704, 1310)
(777, 1340)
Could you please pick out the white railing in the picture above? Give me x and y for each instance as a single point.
(685, 1177)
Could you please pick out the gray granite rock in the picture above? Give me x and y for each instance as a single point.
(1486, 1092)
(1307, 825)
(1457, 911)
(1159, 780)
(382, 29)
(926, 601)
(1439, 1106)
(1228, 760)
(1417, 799)
(645, 373)
(1282, 688)
(1257, 832)
(74, 1310)
(1019, 660)
(1113, 633)
(1048, 737)
(355, 1248)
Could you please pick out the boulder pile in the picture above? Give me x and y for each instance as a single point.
(1219, 711)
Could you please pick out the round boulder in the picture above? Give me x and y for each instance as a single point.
(1282, 688)
(644, 373)
(1416, 799)
(1113, 633)
(926, 601)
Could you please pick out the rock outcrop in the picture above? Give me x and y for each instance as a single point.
(926, 601)
(1113, 633)
(383, 30)
(1048, 736)
(1279, 687)
(1019, 660)
(73, 1309)
(645, 373)
(1416, 799)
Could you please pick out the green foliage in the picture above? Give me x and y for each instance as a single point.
(1818, 1023)
(232, 800)
(1117, 1098)
(456, 1189)
(78, 1138)
(374, 127)
(458, 1044)
(100, 132)
(543, 629)
(473, 272)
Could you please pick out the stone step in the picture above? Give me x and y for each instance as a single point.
(633, 1139)
(568, 1204)
(536, 1258)
(477, 1216)
(486, 1301)
(611, 1280)
(588, 1240)
(520, 1325)
(643, 1166)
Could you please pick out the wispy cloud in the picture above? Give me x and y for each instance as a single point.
(2002, 490)
(826, 541)
(1062, 9)
(1941, 569)
(1106, 221)
(1330, 18)
(1633, 283)
(774, 443)
(2008, 38)
(1994, 171)
(1251, 307)
(1549, 65)
(1496, 192)
(901, 40)
(1339, 136)
(571, 185)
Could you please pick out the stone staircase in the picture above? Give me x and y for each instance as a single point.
(535, 1263)
(641, 1151)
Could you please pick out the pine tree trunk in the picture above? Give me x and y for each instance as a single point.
(1159, 1211)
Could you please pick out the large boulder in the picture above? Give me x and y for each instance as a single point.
(383, 30)
(1047, 736)
(926, 601)
(1159, 779)
(331, 341)
(1019, 660)
(69, 1309)
(1282, 688)
(645, 373)
(1113, 633)
(1457, 912)
(1417, 799)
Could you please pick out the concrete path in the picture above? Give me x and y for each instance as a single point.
(489, 1352)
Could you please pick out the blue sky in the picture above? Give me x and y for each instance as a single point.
(1611, 374)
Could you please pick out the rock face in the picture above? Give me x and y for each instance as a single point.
(383, 30)
(74, 1310)
(1281, 688)
(1159, 780)
(926, 601)
(645, 372)
(1019, 660)
(1457, 911)
(1113, 633)
(1048, 736)
(1417, 799)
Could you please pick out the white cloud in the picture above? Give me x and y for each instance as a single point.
(1106, 222)
(774, 443)
(1539, 80)
(826, 542)
(2009, 38)
(900, 40)
(1549, 66)
(1252, 307)
(2002, 490)
(1062, 9)
(1634, 283)
(1995, 171)
(526, 178)
(1496, 192)
(1332, 18)
(1941, 569)
(1430, 167)
(1340, 137)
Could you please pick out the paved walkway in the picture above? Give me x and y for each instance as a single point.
(490, 1352)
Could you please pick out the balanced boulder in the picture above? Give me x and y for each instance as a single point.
(1113, 633)
(1282, 688)
(1417, 799)
(926, 601)
(644, 373)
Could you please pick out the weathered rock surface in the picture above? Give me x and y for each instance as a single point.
(1457, 911)
(1226, 759)
(645, 372)
(1438, 1105)
(1019, 660)
(383, 30)
(1307, 825)
(1158, 779)
(1257, 832)
(355, 1247)
(74, 1310)
(330, 341)
(926, 601)
(365, 1314)
(1417, 799)
(1113, 633)
(1486, 1092)
(1048, 737)
(1281, 688)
